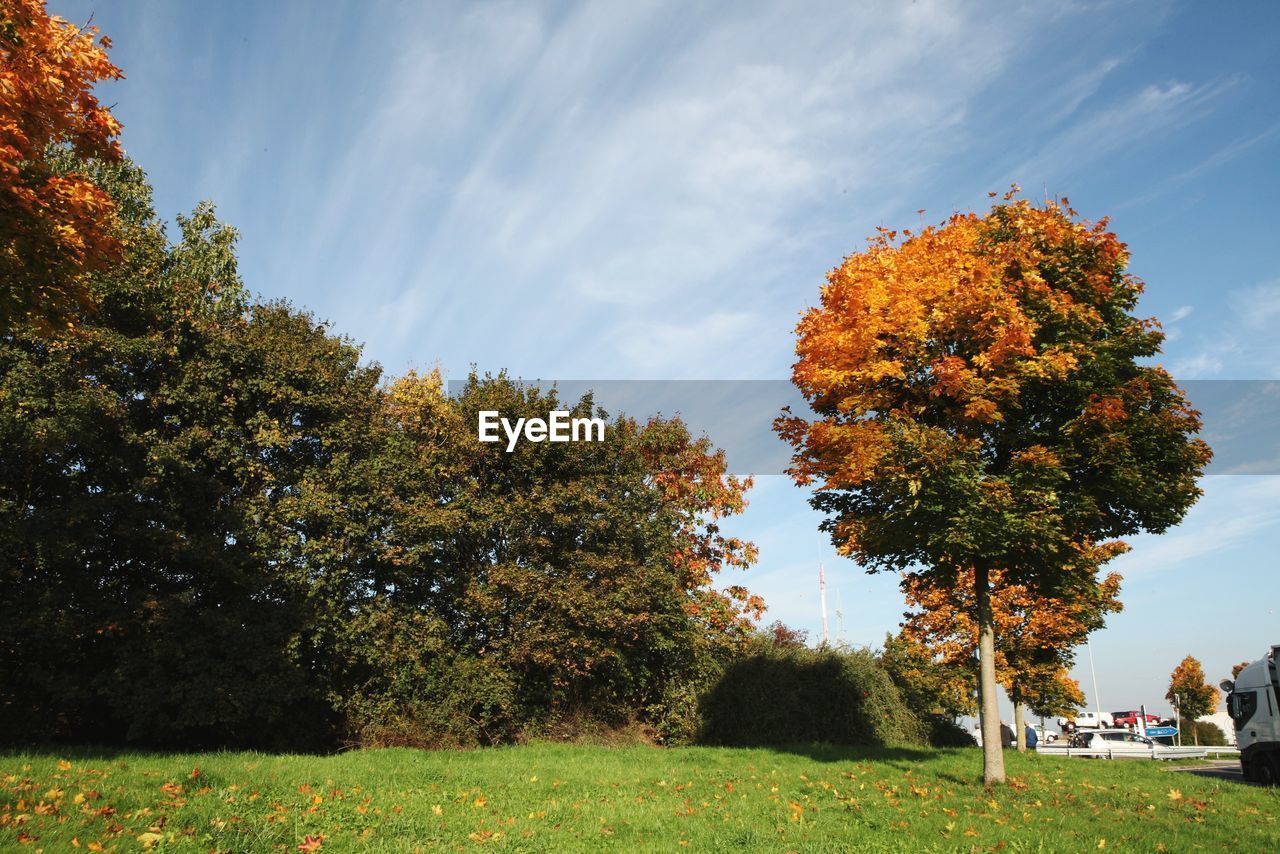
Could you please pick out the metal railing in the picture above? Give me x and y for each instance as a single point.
(1159, 751)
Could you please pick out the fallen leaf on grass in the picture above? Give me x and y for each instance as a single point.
(311, 843)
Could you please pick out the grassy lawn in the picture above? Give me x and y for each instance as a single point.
(545, 796)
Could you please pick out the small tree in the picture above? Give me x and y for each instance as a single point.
(983, 402)
(1190, 694)
(1235, 671)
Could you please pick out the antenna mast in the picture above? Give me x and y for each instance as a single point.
(822, 595)
(839, 618)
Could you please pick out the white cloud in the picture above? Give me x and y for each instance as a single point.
(1258, 307)
(1234, 510)
(645, 177)
(1146, 114)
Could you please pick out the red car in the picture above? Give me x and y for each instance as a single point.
(1130, 718)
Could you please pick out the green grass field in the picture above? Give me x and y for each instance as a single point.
(564, 797)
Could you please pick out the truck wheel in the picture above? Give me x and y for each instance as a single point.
(1262, 770)
(1272, 765)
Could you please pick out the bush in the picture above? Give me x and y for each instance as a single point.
(944, 732)
(418, 692)
(1207, 734)
(790, 696)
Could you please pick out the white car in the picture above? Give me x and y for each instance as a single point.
(1045, 735)
(1117, 742)
(1088, 720)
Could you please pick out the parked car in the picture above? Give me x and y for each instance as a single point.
(1046, 735)
(1130, 718)
(1118, 742)
(1087, 720)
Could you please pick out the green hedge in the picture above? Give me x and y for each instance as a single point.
(1207, 734)
(791, 696)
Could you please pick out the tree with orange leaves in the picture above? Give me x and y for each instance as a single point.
(982, 403)
(56, 224)
(1190, 694)
(1035, 634)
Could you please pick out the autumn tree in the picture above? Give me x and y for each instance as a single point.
(1190, 694)
(1235, 669)
(56, 223)
(1053, 693)
(983, 402)
(584, 572)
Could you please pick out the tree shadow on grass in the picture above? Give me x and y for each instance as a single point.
(904, 759)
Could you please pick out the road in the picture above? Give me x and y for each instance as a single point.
(1222, 769)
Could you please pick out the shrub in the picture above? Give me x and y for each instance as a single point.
(1207, 734)
(786, 696)
(944, 732)
(418, 692)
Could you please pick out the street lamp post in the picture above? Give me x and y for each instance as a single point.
(1097, 701)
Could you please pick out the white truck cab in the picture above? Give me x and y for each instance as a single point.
(1253, 702)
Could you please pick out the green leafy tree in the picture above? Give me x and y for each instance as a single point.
(983, 402)
(178, 500)
(222, 528)
(582, 571)
(932, 682)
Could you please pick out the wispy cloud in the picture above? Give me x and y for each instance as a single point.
(1234, 511)
(1143, 115)
(645, 176)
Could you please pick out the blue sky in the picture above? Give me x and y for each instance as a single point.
(655, 191)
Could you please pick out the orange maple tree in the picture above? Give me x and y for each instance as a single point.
(983, 402)
(56, 224)
(1190, 694)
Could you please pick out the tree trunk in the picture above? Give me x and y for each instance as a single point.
(992, 755)
(1020, 725)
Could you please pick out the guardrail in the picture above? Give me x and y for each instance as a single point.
(1159, 751)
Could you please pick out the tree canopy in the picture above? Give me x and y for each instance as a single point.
(1189, 692)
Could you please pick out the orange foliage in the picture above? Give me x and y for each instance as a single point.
(938, 318)
(1034, 632)
(54, 225)
(694, 484)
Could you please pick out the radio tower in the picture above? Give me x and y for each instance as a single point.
(822, 595)
(839, 618)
